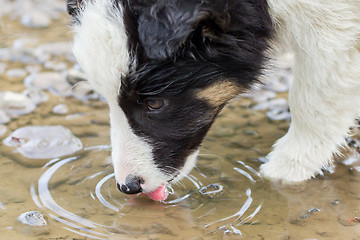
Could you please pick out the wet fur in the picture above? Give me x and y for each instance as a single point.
(178, 50)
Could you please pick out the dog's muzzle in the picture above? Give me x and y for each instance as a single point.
(132, 185)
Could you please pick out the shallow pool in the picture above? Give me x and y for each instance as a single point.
(73, 193)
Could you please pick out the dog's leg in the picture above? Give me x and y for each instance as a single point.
(324, 99)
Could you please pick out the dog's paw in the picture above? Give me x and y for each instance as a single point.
(288, 169)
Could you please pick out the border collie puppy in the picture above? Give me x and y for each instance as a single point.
(168, 67)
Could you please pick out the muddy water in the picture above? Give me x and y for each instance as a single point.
(225, 197)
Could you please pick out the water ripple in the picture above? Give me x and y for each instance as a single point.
(106, 212)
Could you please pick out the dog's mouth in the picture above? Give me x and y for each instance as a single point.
(159, 194)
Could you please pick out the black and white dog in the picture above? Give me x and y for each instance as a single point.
(168, 67)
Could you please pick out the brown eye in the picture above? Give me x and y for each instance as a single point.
(155, 104)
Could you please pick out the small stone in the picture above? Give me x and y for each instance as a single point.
(5, 54)
(25, 44)
(355, 171)
(278, 114)
(224, 132)
(33, 223)
(4, 117)
(56, 66)
(16, 72)
(36, 95)
(263, 96)
(32, 218)
(16, 103)
(60, 109)
(83, 91)
(211, 189)
(3, 130)
(280, 82)
(279, 103)
(3, 67)
(53, 81)
(41, 142)
(259, 96)
(74, 76)
(35, 19)
(54, 49)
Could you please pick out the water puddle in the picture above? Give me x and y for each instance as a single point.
(59, 183)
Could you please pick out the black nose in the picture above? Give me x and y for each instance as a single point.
(132, 185)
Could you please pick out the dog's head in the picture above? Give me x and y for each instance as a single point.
(166, 68)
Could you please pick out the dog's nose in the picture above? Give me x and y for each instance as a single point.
(132, 185)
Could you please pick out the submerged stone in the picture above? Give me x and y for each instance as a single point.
(32, 218)
(4, 117)
(60, 109)
(42, 142)
(16, 103)
(33, 223)
(53, 81)
(3, 130)
(16, 72)
(35, 19)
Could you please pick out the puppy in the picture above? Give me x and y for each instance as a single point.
(168, 67)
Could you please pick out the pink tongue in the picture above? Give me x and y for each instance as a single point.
(160, 194)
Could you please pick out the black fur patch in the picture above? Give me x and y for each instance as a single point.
(181, 46)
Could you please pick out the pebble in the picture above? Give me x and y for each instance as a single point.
(53, 81)
(5, 54)
(32, 218)
(280, 83)
(259, 95)
(36, 95)
(53, 49)
(16, 72)
(42, 142)
(211, 189)
(83, 91)
(16, 104)
(56, 66)
(224, 132)
(3, 130)
(60, 109)
(35, 19)
(24, 44)
(74, 76)
(32, 223)
(279, 103)
(4, 117)
(278, 114)
(3, 67)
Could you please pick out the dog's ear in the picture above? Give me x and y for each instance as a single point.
(165, 26)
(74, 6)
(208, 28)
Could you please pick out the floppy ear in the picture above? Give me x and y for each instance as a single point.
(209, 28)
(74, 6)
(165, 26)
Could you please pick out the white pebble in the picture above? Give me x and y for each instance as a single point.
(4, 117)
(41, 142)
(16, 103)
(35, 19)
(60, 109)
(16, 72)
(3, 130)
(274, 103)
(53, 81)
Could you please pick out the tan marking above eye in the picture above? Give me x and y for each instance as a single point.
(219, 92)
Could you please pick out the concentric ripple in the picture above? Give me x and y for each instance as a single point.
(79, 194)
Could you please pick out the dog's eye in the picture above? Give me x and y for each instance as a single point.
(154, 103)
